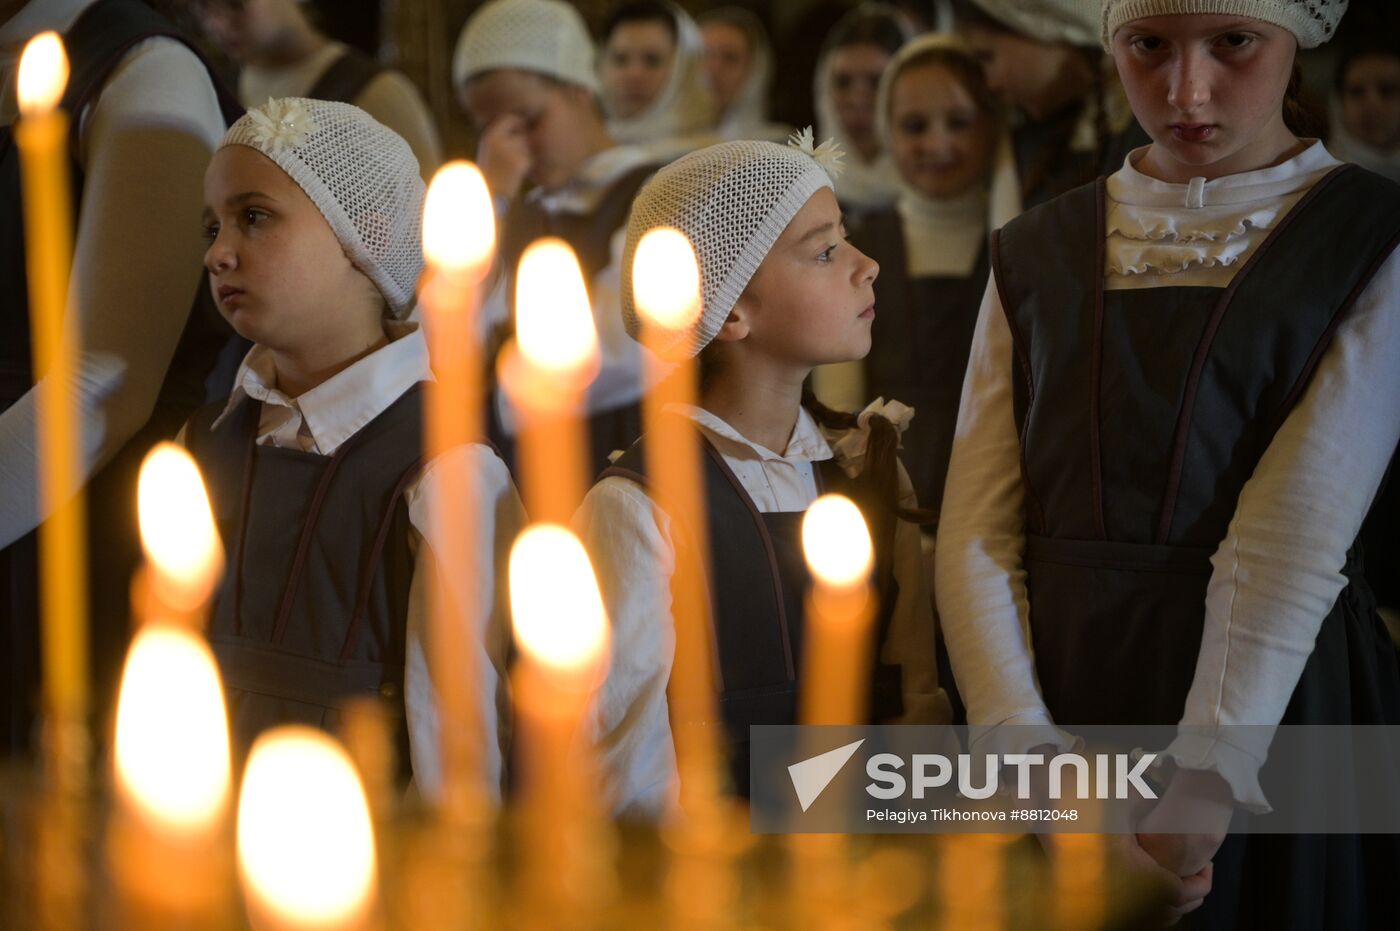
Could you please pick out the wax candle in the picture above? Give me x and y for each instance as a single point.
(562, 631)
(184, 557)
(41, 136)
(666, 284)
(545, 373)
(306, 850)
(840, 609)
(168, 846)
(458, 243)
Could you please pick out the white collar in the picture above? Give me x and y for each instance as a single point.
(1129, 186)
(343, 404)
(805, 445)
(961, 211)
(596, 175)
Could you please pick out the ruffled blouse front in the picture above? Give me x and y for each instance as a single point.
(1161, 234)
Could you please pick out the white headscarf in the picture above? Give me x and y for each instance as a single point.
(1347, 148)
(684, 107)
(864, 185)
(747, 116)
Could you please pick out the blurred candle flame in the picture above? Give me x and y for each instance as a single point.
(459, 224)
(305, 842)
(172, 744)
(553, 319)
(177, 528)
(836, 542)
(666, 279)
(43, 74)
(555, 603)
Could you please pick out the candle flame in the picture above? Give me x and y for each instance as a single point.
(172, 752)
(177, 527)
(553, 319)
(43, 74)
(554, 600)
(459, 223)
(305, 842)
(836, 542)
(666, 279)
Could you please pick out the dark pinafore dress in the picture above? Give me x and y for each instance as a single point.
(919, 348)
(757, 583)
(96, 43)
(590, 236)
(1142, 413)
(313, 608)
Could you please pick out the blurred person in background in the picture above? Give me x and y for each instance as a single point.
(739, 71)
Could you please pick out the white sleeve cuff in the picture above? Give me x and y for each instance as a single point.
(1237, 766)
(1019, 733)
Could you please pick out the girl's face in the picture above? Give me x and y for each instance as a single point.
(940, 139)
(727, 60)
(637, 63)
(812, 299)
(559, 120)
(247, 30)
(1208, 90)
(277, 272)
(853, 80)
(1371, 100)
(1024, 73)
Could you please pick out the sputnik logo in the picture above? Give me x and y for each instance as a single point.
(811, 776)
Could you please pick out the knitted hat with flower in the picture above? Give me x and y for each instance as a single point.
(732, 201)
(360, 174)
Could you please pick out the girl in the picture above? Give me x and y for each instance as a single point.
(739, 72)
(653, 78)
(941, 126)
(1042, 58)
(854, 56)
(314, 463)
(1182, 397)
(783, 291)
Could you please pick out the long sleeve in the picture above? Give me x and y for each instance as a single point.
(979, 579)
(481, 587)
(1277, 573)
(136, 266)
(911, 642)
(628, 540)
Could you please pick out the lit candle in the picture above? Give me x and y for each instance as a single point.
(562, 631)
(840, 608)
(666, 283)
(306, 849)
(458, 241)
(184, 556)
(168, 847)
(545, 372)
(41, 136)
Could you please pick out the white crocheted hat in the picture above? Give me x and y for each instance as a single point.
(732, 201)
(360, 174)
(544, 36)
(1312, 22)
(1075, 22)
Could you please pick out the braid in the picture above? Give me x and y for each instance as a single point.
(881, 471)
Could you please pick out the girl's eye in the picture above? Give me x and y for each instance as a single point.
(252, 216)
(1237, 40)
(914, 127)
(211, 231)
(1147, 44)
(825, 255)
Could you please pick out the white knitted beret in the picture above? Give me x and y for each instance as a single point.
(544, 36)
(732, 201)
(1313, 22)
(1075, 22)
(360, 174)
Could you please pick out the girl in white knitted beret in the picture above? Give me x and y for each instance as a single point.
(1183, 395)
(783, 291)
(315, 463)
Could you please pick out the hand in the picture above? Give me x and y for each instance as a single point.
(1188, 824)
(503, 155)
(1183, 894)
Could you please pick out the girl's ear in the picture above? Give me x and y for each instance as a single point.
(736, 325)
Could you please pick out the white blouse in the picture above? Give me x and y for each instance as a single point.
(1276, 574)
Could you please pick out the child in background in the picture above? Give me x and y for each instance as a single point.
(524, 71)
(314, 465)
(783, 292)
